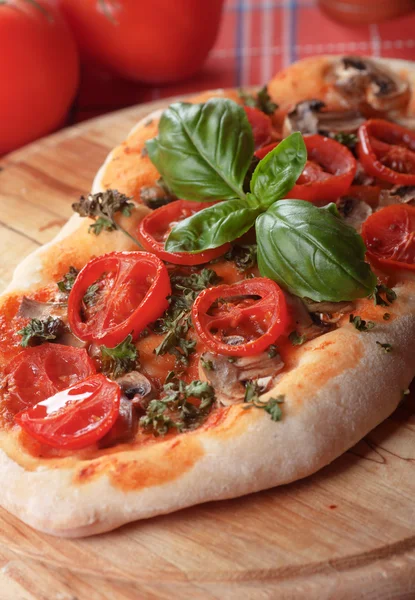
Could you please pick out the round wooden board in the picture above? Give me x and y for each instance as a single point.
(347, 532)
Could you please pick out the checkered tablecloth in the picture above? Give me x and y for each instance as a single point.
(256, 39)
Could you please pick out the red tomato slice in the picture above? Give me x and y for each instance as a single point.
(389, 235)
(154, 230)
(76, 417)
(117, 294)
(387, 151)
(242, 319)
(261, 126)
(39, 372)
(328, 174)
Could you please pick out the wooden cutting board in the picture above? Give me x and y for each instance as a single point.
(348, 532)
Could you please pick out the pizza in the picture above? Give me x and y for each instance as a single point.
(230, 309)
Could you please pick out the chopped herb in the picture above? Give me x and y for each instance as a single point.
(272, 351)
(296, 339)
(102, 207)
(66, 284)
(244, 256)
(41, 330)
(262, 101)
(91, 295)
(232, 359)
(386, 316)
(207, 364)
(176, 410)
(389, 295)
(386, 347)
(361, 324)
(347, 139)
(271, 406)
(121, 359)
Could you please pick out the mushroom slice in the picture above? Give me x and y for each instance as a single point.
(366, 83)
(309, 117)
(33, 309)
(137, 388)
(227, 377)
(354, 211)
(329, 307)
(124, 428)
(404, 194)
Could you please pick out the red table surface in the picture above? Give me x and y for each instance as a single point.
(257, 38)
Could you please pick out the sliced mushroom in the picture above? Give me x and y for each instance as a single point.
(155, 196)
(369, 84)
(305, 323)
(328, 307)
(137, 388)
(354, 211)
(361, 177)
(404, 194)
(227, 377)
(310, 117)
(33, 309)
(124, 428)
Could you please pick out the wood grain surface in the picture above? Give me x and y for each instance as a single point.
(348, 532)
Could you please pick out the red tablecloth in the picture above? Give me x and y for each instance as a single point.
(256, 39)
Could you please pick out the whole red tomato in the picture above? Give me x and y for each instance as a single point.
(153, 41)
(39, 71)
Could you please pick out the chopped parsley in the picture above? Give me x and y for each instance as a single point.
(244, 256)
(386, 347)
(66, 283)
(261, 100)
(121, 359)
(272, 351)
(91, 295)
(207, 364)
(389, 295)
(41, 330)
(296, 339)
(271, 406)
(347, 139)
(361, 324)
(176, 410)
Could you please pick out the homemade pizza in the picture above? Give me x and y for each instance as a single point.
(230, 308)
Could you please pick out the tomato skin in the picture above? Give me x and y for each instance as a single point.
(261, 126)
(75, 417)
(389, 235)
(137, 296)
(271, 309)
(157, 224)
(153, 42)
(39, 372)
(40, 65)
(315, 184)
(381, 142)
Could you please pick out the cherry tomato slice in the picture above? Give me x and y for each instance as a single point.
(154, 229)
(242, 319)
(387, 151)
(76, 417)
(117, 294)
(39, 372)
(328, 174)
(389, 235)
(261, 126)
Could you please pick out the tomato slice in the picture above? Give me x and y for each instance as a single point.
(389, 235)
(117, 294)
(42, 371)
(76, 417)
(242, 319)
(261, 126)
(328, 174)
(154, 230)
(387, 151)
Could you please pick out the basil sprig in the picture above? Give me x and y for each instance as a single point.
(203, 151)
(312, 253)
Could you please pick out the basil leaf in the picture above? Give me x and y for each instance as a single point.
(312, 253)
(203, 151)
(277, 173)
(212, 227)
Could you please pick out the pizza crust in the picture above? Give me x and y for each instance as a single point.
(342, 386)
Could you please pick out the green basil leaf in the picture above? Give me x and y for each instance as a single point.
(212, 227)
(203, 151)
(312, 253)
(277, 173)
